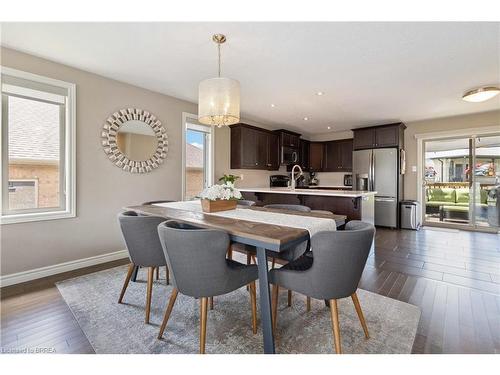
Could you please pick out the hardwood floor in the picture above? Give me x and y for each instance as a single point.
(453, 276)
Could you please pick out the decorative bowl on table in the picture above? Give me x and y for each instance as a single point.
(219, 198)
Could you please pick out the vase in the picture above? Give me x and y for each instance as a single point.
(218, 205)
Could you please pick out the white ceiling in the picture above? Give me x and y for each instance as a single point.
(371, 73)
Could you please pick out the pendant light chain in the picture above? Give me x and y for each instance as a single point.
(218, 47)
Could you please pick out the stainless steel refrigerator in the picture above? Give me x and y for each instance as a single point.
(378, 170)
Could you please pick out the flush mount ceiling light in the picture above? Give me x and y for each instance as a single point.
(481, 94)
(320, 93)
(306, 118)
(328, 127)
(273, 105)
(219, 98)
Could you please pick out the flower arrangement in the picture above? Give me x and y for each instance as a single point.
(219, 198)
(220, 192)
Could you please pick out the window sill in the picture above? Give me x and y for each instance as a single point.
(36, 216)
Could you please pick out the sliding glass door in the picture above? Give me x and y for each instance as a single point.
(461, 181)
(486, 181)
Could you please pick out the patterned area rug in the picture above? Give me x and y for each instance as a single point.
(119, 328)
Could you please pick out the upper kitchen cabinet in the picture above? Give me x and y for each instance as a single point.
(304, 154)
(253, 148)
(316, 154)
(288, 138)
(391, 135)
(345, 148)
(338, 156)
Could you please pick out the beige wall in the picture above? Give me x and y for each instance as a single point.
(477, 120)
(102, 188)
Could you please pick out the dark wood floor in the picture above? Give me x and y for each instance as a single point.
(453, 276)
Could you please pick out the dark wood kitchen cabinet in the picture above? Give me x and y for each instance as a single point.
(391, 135)
(288, 138)
(253, 148)
(338, 156)
(304, 154)
(316, 155)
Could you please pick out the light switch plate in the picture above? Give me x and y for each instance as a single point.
(413, 168)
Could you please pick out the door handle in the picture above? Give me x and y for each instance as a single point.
(384, 199)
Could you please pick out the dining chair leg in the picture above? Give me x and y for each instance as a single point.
(361, 317)
(289, 298)
(151, 271)
(308, 304)
(157, 273)
(254, 259)
(168, 311)
(167, 274)
(253, 301)
(230, 252)
(203, 323)
(249, 259)
(334, 312)
(273, 263)
(130, 271)
(274, 307)
(211, 303)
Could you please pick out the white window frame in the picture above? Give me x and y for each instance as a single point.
(421, 138)
(189, 117)
(69, 171)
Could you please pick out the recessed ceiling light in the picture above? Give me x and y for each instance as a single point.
(328, 127)
(306, 118)
(273, 105)
(319, 93)
(481, 94)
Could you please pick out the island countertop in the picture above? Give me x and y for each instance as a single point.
(322, 192)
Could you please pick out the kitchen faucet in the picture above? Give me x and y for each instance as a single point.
(293, 181)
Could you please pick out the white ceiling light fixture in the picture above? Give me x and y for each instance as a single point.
(329, 127)
(273, 105)
(219, 98)
(481, 94)
(306, 118)
(320, 93)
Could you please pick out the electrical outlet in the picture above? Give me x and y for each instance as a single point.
(413, 168)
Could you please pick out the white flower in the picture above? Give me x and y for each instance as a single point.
(222, 192)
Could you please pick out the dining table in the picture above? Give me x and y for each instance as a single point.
(265, 237)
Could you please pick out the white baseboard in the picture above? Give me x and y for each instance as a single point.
(37, 273)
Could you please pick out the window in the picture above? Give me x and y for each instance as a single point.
(38, 148)
(197, 157)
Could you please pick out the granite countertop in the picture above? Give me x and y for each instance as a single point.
(330, 193)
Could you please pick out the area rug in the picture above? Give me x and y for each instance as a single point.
(119, 328)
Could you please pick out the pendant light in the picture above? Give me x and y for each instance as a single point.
(219, 98)
(481, 94)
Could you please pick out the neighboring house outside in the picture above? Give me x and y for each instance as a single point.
(33, 154)
(194, 170)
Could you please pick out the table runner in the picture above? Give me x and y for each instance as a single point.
(312, 224)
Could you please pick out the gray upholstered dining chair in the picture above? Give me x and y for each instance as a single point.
(296, 251)
(144, 248)
(154, 202)
(245, 202)
(197, 260)
(333, 273)
(134, 275)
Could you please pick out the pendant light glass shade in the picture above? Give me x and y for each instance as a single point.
(219, 101)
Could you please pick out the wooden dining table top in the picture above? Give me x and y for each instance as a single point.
(273, 237)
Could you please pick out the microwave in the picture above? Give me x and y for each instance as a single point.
(289, 155)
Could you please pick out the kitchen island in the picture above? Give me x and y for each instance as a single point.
(356, 205)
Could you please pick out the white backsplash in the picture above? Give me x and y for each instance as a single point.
(330, 178)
